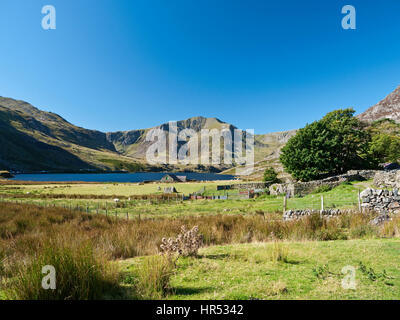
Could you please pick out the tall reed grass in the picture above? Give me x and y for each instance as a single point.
(153, 277)
(80, 275)
(81, 245)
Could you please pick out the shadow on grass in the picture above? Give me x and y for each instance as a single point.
(187, 291)
(294, 262)
(215, 256)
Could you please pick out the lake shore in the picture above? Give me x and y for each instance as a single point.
(139, 177)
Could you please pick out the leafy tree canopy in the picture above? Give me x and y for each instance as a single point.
(270, 175)
(333, 145)
(385, 148)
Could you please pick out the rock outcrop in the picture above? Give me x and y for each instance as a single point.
(388, 108)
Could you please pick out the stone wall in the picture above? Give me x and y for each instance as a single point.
(300, 188)
(297, 214)
(331, 213)
(381, 201)
(387, 179)
(282, 188)
(251, 185)
(304, 188)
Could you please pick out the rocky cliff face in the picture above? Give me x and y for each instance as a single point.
(133, 143)
(387, 108)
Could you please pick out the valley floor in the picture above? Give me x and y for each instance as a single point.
(99, 198)
(249, 253)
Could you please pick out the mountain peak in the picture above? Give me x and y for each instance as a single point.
(388, 108)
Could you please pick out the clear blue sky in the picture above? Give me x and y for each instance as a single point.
(267, 65)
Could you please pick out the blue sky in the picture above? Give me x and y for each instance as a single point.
(263, 65)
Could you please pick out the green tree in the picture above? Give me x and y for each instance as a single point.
(270, 175)
(385, 147)
(333, 145)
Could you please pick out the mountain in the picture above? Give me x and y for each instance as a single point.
(133, 143)
(388, 108)
(266, 154)
(35, 140)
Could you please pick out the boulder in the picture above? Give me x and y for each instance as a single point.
(366, 193)
(380, 220)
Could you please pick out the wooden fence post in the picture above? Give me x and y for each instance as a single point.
(322, 204)
(284, 204)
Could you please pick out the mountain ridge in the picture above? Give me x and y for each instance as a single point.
(44, 141)
(32, 139)
(387, 108)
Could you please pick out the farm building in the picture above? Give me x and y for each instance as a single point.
(169, 178)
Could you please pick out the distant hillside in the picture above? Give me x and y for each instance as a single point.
(34, 140)
(388, 108)
(267, 152)
(133, 143)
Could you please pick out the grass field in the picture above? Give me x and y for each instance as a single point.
(309, 270)
(245, 256)
(122, 189)
(85, 197)
(249, 253)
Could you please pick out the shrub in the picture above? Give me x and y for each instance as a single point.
(270, 175)
(322, 189)
(186, 244)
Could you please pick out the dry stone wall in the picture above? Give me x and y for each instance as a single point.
(382, 201)
(297, 214)
(387, 179)
(304, 188)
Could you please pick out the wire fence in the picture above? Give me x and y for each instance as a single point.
(130, 208)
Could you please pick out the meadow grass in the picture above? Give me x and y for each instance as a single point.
(311, 270)
(122, 189)
(343, 196)
(32, 235)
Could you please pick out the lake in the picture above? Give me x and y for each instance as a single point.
(116, 177)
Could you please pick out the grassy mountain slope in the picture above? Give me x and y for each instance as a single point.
(34, 140)
(266, 154)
